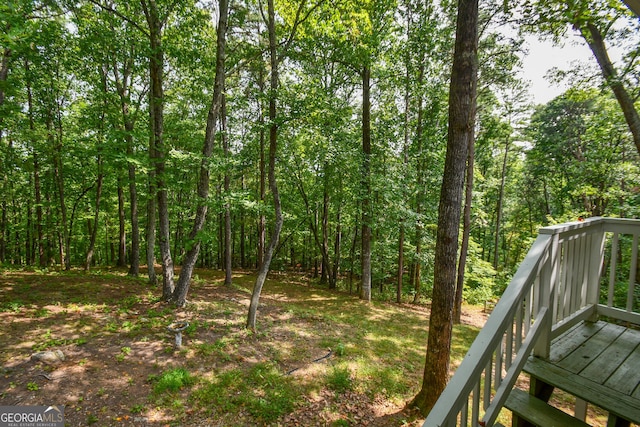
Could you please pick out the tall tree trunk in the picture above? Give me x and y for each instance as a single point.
(365, 289)
(420, 193)
(134, 268)
(466, 231)
(128, 121)
(191, 257)
(65, 259)
(337, 245)
(158, 150)
(596, 43)
(122, 230)
(4, 72)
(462, 95)
(151, 229)
(243, 236)
(273, 185)
(228, 249)
(99, 179)
(42, 262)
(503, 178)
(94, 228)
(262, 221)
(326, 262)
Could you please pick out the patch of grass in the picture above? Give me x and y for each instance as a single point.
(50, 342)
(41, 312)
(173, 380)
(339, 379)
(11, 306)
(263, 391)
(31, 386)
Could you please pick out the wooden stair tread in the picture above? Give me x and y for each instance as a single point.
(539, 412)
(614, 401)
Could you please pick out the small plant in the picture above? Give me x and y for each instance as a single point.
(124, 352)
(101, 391)
(340, 350)
(92, 419)
(339, 380)
(41, 312)
(137, 409)
(31, 386)
(173, 380)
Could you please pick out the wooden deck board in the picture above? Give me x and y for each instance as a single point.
(598, 362)
(591, 348)
(566, 343)
(602, 369)
(627, 377)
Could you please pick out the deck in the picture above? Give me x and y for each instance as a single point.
(596, 362)
(570, 317)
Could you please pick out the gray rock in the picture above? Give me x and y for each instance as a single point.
(48, 357)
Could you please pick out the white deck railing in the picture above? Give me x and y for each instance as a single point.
(557, 285)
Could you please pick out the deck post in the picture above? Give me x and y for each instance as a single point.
(596, 264)
(547, 284)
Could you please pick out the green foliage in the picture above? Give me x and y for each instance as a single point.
(172, 381)
(339, 379)
(263, 391)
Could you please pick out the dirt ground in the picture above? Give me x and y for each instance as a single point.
(111, 330)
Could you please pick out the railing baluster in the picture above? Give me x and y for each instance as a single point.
(508, 348)
(518, 337)
(632, 273)
(488, 382)
(464, 415)
(500, 359)
(612, 271)
(475, 408)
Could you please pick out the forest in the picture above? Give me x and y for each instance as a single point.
(301, 135)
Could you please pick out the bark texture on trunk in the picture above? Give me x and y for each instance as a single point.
(365, 288)
(191, 257)
(462, 95)
(273, 185)
(594, 38)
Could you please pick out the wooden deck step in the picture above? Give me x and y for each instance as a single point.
(538, 412)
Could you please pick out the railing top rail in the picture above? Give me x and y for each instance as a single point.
(609, 224)
(482, 348)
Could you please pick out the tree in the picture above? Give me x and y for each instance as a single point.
(180, 294)
(597, 23)
(462, 109)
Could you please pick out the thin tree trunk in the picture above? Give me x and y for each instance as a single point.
(365, 289)
(273, 185)
(503, 177)
(158, 150)
(94, 228)
(122, 230)
(42, 262)
(123, 82)
(151, 229)
(100, 177)
(262, 222)
(4, 72)
(134, 268)
(228, 249)
(191, 257)
(462, 95)
(466, 230)
(336, 246)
